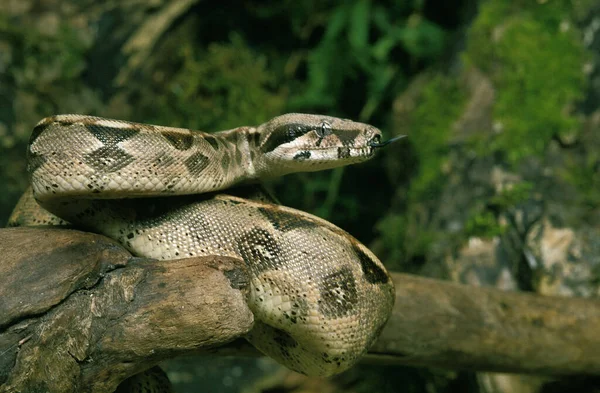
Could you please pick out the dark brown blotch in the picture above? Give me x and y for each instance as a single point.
(238, 279)
(212, 141)
(196, 163)
(285, 343)
(347, 137)
(178, 140)
(110, 136)
(159, 211)
(37, 130)
(338, 294)
(283, 339)
(109, 158)
(260, 250)
(284, 134)
(34, 161)
(373, 273)
(284, 221)
(225, 161)
(303, 155)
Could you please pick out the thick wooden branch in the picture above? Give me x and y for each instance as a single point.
(78, 313)
(442, 324)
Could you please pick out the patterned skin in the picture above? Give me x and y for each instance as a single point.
(320, 297)
(87, 156)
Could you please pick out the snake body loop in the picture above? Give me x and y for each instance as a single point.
(319, 296)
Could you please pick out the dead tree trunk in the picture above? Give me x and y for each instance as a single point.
(78, 313)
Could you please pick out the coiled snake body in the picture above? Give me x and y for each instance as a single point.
(319, 296)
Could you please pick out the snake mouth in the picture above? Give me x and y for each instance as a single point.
(375, 142)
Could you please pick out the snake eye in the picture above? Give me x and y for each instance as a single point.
(323, 129)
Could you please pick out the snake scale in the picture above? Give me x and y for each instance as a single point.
(320, 297)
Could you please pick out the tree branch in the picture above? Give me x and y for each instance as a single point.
(442, 324)
(79, 314)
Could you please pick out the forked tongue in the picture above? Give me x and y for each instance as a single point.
(384, 143)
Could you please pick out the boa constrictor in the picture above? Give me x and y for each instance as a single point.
(320, 298)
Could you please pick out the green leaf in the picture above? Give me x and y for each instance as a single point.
(423, 39)
(336, 24)
(382, 78)
(358, 29)
(383, 46)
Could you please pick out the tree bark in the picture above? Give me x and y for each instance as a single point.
(441, 324)
(80, 314)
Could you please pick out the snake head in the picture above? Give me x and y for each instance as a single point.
(298, 142)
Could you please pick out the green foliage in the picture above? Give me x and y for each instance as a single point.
(406, 236)
(440, 104)
(359, 39)
(40, 70)
(513, 195)
(391, 229)
(35, 64)
(586, 177)
(38, 59)
(355, 67)
(484, 224)
(535, 58)
(224, 86)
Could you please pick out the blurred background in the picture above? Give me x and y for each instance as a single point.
(497, 184)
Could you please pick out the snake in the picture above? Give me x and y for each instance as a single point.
(320, 297)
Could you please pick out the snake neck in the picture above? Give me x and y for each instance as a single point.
(240, 144)
(251, 165)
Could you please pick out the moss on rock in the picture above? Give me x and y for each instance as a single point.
(534, 55)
